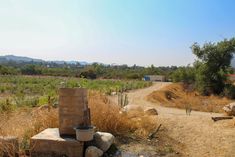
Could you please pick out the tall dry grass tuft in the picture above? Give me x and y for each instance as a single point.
(108, 117)
(25, 123)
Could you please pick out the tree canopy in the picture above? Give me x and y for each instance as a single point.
(212, 65)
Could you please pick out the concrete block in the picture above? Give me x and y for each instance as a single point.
(48, 143)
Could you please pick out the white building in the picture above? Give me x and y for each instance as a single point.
(159, 78)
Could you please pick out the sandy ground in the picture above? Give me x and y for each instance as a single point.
(200, 136)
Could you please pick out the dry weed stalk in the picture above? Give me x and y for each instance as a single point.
(8, 149)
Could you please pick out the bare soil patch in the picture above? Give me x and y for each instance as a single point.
(175, 95)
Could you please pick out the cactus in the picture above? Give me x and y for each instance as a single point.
(188, 109)
(122, 99)
(125, 100)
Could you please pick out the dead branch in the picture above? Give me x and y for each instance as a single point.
(221, 118)
(152, 135)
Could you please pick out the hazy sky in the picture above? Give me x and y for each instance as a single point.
(142, 32)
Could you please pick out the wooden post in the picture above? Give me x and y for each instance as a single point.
(221, 118)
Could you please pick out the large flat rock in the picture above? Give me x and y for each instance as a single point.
(48, 143)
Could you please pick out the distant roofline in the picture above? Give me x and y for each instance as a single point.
(230, 74)
(158, 75)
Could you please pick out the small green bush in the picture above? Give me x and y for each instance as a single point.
(229, 91)
(6, 106)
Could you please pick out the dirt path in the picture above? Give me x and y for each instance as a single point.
(198, 133)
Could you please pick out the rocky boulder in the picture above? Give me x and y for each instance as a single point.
(93, 151)
(150, 111)
(130, 108)
(230, 109)
(103, 140)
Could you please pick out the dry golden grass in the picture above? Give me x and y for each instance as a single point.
(108, 117)
(24, 123)
(175, 95)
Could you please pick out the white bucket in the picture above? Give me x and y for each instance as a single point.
(84, 133)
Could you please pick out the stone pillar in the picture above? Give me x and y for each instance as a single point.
(72, 104)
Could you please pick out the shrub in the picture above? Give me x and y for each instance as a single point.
(89, 74)
(229, 91)
(6, 106)
(107, 116)
(184, 74)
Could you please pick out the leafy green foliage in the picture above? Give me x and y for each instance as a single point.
(89, 74)
(31, 70)
(184, 74)
(6, 106)
(7, 70)
(34, 91)
(210, 70)
(213, 64)
(229, 91)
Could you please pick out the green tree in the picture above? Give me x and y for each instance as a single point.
(184, 74)
(89, 74)
(212, 64)
(31, 70)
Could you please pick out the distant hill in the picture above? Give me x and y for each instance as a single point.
(21, 59)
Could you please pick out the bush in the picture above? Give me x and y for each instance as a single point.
(213, 63)
(89, 74)
(184, 74)
(6, 106)
(31, 70)
(107, 117)
(229, 91)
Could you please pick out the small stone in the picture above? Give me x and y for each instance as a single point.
(114, 93)
(230, 109)
(103, 140)
(150, 111)
(93, 151)
(131, 108)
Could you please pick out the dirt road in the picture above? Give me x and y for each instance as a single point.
(198, 133)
